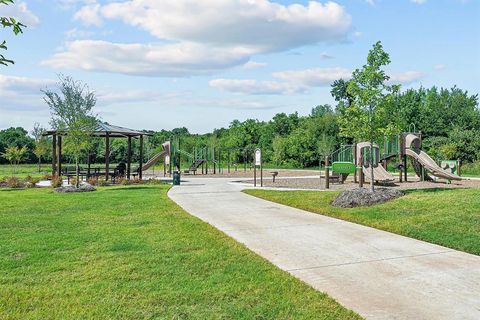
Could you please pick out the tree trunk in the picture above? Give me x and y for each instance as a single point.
(372, 181)
(39, 164)
(77, 173)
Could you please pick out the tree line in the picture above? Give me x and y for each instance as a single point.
(448, 118)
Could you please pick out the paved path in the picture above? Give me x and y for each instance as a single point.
(378, 274)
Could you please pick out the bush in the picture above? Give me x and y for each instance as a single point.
(136, 180)
(57, 181)
(154, 181)
(125, 182)
(102, 183)
(47, 177)
(73, 181)
(14, 182)
(93, 181)
(31, 182)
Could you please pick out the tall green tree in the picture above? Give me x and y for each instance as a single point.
(15, 155)
(366, 117)
(41, 143)
(9, 22)
(72, 112)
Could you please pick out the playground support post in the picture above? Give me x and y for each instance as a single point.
(355, 162)
(361, 179)
(327, 172)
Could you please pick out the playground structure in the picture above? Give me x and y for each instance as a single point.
(355, 159)
(201, 158)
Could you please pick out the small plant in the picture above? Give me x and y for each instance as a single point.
(93, 181)
(47, 177)
(102, 183)
(136, 180)
(153, 181)
(73, 181)
(120, 180)
(14, 182)
(57, 181)
(126, 182)
(31, 182)
(14, 155)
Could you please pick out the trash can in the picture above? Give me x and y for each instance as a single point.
(176, 178)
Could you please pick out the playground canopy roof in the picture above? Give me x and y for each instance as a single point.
(104, 129)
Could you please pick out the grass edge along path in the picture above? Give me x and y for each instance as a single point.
(132, 253)
(450, 218)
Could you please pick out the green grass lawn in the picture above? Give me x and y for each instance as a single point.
(131, 253)
(447, 217)
(24, 170)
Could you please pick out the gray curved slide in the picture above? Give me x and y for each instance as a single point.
(426, 161)
(379, 172)
(158, 156)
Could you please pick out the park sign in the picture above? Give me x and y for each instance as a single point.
(258, 157)
(343, 167)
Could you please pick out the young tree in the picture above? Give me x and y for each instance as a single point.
(9, 22)
(71, 112)
(365, 116)
(14, 155)
(41, 147)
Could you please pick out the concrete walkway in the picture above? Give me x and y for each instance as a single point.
(375, 273)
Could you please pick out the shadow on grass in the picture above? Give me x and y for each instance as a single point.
(431, 190)
(129, 188)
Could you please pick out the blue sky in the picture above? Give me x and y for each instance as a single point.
(200, 64)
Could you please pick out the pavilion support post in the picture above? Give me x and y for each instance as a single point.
(59, 156)
(107, 156)
(89, 163)
(140, 176)
(129, 157)
(54, 155)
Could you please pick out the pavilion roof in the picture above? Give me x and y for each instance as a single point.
(104, 128)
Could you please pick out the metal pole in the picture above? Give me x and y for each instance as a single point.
(327, 172)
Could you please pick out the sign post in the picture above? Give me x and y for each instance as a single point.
(258, 163)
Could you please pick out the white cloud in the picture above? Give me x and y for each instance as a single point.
(406, 77)
(89, 15)
(171, 60)
(261, 25)
(440, 66)
(255, 87)
(418, 1)
(22, 93)
(316, 77)
(20, 12)
(254, 65)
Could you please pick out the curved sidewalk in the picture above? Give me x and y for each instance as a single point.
(378, 274)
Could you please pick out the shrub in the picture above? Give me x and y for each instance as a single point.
(154, 181)
(93, 181)
(136, 180)
(73, 181)
(120, 180)
(47, 177)
(31, 182)
(14, 182)
(126, 182)
(102, 183)
(57, 181)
